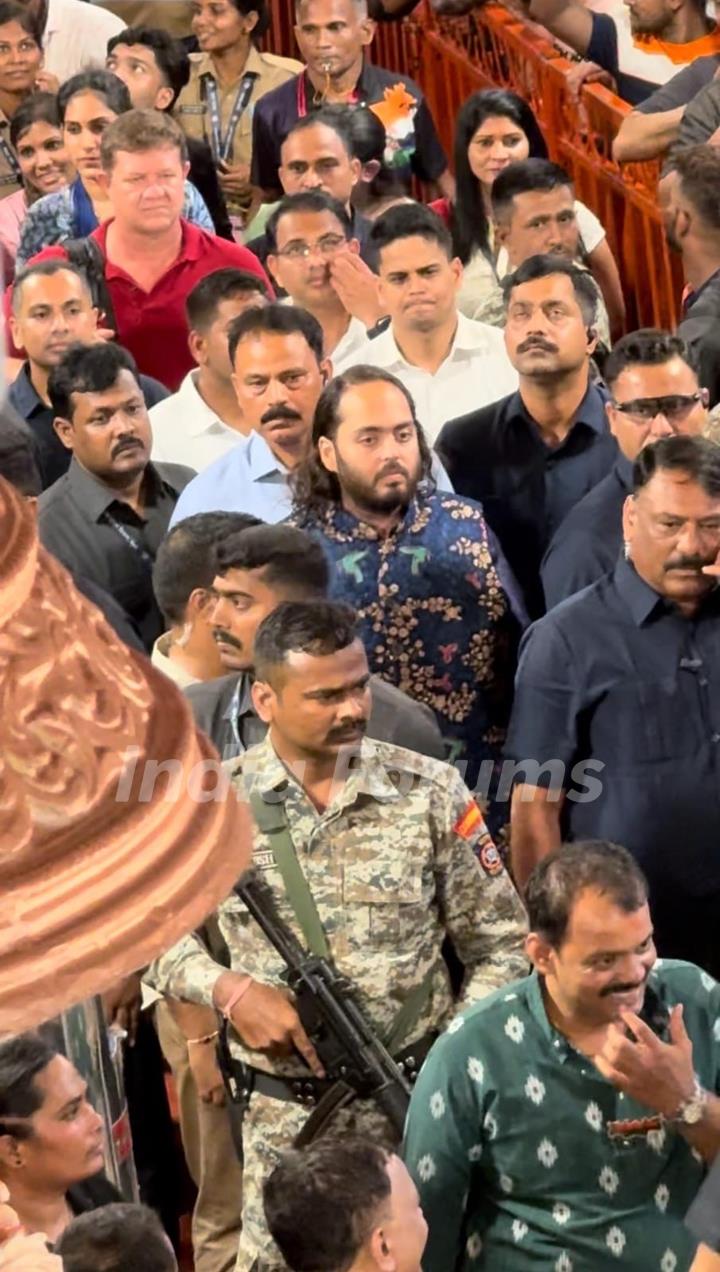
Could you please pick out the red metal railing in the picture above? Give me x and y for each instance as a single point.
(453, 57)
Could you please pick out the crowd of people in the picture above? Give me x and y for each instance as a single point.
(354, 444)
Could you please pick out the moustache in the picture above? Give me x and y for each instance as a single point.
(223, 637)
(280, 413)
(689, 563)
(621, 989)
(127, 443)
(536, 342)
(388, 470)
(347, 732)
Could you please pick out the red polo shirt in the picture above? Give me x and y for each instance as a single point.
(152, 325)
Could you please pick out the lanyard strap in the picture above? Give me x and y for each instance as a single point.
(354, 98)
(146, 557)
(10, 157)
(222, 146)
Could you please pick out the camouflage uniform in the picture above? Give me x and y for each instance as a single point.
(393, 869)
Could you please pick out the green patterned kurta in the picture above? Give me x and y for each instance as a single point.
(507, 1141)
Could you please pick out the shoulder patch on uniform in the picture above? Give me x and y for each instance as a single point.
(490, 859)
(468, 821)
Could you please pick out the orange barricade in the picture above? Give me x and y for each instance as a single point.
(453, 57)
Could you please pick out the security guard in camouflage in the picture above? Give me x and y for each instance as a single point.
(396, 856)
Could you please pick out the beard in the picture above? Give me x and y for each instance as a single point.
(671, 236)
(365, 494)
(648, 26)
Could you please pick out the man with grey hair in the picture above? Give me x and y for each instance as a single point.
(623, 679)
(332, 36)
(565, 1121)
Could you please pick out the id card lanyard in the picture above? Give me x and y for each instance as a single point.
(10, 157)
(222, 145)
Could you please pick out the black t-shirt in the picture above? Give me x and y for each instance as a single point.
(91, 1194)
(604, 48)
(416, 147)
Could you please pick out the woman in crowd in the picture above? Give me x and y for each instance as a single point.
(88, 103)
(36, 136)
(21, 58)
(379, 188)
(51, 1138)
(494, 128)
(227, 77)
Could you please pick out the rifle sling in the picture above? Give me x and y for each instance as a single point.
(272, 821)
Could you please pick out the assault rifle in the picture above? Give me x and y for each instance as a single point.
(350, 1053)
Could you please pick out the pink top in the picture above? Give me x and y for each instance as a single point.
(13, 210)
(441, 207)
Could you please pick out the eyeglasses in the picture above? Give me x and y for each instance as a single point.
(674, 406)
(328, 245)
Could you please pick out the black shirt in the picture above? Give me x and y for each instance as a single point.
(419, 154)
(497, 456)
(616, 676)
(203, 175)
(700, 329)
(52, 457)
(75, 520)
(588, 542)
(604, 49)
(91, 1194)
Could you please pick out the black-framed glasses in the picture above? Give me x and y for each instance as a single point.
(328, 245)
(674, 406)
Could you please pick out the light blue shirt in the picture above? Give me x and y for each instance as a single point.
(247, 479)
(250, 479)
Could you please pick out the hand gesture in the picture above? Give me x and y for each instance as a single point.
(46, 82)
(18, 1252)
(205, 1071)
(582, 73)
(122, 1005)
(266, 1020)
(658, 1074)
(357, 287)
(234, 180)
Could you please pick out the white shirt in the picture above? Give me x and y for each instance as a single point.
(186, 430)
(160, 658)
(355, 338)
(76, 36)
(476, 372)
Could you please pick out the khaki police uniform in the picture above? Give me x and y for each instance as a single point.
(193, 109)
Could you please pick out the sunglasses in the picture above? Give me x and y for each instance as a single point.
(675, 407)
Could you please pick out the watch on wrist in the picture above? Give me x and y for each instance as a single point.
(690, 1111)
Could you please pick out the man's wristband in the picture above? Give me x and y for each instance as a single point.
(235, 997)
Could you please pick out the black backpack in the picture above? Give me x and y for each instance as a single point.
(86, 256)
